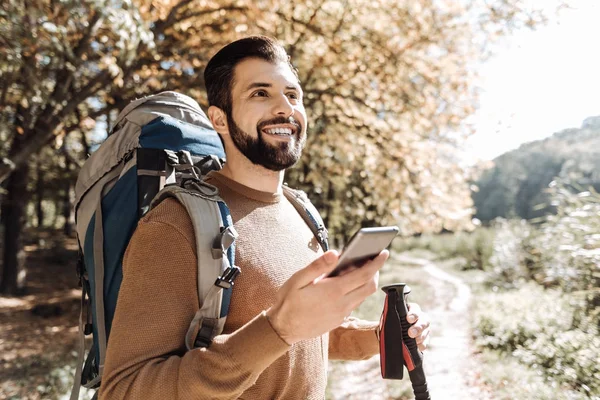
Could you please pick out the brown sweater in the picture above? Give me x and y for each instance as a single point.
(146, 357)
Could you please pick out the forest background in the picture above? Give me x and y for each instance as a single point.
(389, 87)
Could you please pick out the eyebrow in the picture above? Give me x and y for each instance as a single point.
(255, 85)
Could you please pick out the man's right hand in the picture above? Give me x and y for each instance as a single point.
(309, 304)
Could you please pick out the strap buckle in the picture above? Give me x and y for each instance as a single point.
(225, 281)
(86, 303)
(323, 236)
(205, 334)
(80, 267)
(223, 241)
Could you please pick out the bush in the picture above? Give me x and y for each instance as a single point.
(563, 251)
(509, 253)
(543, 329)
(569, 243)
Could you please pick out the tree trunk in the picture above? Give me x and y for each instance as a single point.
(67, 206)
(13, 211)
(39, 193)
(67, 211)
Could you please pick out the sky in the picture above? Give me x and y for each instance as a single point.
(539, 82)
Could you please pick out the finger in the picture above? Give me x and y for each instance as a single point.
(422, 322)
(418, 329)
(423, 336)
(423, 346)
(415, 331)
(347, 270)
(414, 311)
(358, 295)
(321, 266)
(359, 276)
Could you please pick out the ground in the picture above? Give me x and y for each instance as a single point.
(38, 332)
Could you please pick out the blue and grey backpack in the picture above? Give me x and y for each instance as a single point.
(161, 146)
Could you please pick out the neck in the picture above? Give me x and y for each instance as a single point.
(253, 176)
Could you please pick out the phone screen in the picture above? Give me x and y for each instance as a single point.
(364, 245)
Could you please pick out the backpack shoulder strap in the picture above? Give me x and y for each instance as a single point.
(215, 237)
(309, 213)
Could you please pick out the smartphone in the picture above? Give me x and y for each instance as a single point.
(364, 245)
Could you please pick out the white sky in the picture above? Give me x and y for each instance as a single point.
(541, 82)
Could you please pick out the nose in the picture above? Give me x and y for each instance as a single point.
(283, 107)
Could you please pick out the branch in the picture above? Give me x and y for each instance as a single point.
(205, 12)
(311, 19)
(171, 19)
(392, 55)
(161, 26)
(47, 127)
(68, 155)
(352, 97)
(5, 85)
(308, 26)
(85, 41)
(90, 88)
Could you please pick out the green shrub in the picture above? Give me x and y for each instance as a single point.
(568, 245)
(508, 260)
(510, 379)
(545, 330)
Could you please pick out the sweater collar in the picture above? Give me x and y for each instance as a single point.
(243, 190)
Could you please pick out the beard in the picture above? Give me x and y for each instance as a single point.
(275, 157)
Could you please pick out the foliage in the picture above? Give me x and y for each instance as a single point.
(516, 186)
(562, 252)
(381, 98)
(51, 185)
(541, 328)
(555, 330)
(569, 244)
(508, 260)
(509, 378)
(541, 299)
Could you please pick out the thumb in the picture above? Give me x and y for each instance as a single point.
(322, 265)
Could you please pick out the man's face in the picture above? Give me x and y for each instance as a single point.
(268, 121)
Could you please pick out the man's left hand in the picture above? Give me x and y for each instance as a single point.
(420, 329)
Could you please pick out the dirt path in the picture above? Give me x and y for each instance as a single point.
(451, 371)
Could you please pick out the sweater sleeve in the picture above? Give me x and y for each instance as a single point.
(355, 339)
(146, 356)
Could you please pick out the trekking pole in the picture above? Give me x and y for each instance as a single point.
(396, 348)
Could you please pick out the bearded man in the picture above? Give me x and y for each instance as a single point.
(285, 320)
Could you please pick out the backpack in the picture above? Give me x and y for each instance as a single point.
(161, 146)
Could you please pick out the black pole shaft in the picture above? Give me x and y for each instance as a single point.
(397, 348)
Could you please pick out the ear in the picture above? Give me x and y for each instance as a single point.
(218, 119)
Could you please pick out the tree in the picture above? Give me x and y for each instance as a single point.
(381, 96)
(517, 184)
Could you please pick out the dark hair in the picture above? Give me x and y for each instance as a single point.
(218, 75)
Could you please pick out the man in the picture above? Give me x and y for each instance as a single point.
(285, 319)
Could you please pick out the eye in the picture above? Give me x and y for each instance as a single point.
(260, 93)
(293, 95)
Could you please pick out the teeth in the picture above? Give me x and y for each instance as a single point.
(279, 131)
